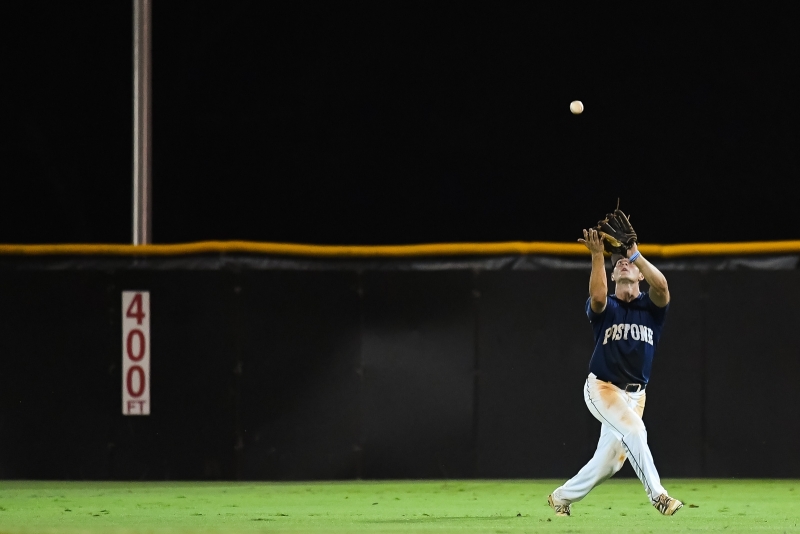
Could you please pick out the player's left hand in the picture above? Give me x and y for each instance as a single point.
(632, 250)
(592, 241)
(617, 233)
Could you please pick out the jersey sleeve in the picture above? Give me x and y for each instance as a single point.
(592, 315)
(659, 314)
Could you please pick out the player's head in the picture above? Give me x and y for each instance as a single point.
(623, 271)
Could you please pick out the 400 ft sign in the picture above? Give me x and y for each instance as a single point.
(136, 353)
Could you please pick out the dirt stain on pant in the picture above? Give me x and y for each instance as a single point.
(609, 394)
(615, 399)
(640, 405)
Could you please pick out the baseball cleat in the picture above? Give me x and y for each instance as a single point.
(667, 505)
(559, 509)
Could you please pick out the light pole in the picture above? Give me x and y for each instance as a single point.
(142, 134)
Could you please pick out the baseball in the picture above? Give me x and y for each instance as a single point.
(576, 107)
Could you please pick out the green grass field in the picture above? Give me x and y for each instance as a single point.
(409, 506)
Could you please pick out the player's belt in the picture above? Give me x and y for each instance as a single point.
(633, 388)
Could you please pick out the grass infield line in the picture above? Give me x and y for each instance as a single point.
(392, 251)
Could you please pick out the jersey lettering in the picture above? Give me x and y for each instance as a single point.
(635, 331)
(620, 331)
(608, 334)
(625, 337)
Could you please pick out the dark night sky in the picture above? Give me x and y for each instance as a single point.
(403, 122)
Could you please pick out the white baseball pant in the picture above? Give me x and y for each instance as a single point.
(622, 436)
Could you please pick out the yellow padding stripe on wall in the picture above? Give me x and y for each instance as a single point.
(393, 251)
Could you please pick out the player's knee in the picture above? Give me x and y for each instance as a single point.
(617, 466)
(617, 459)
(638, 432)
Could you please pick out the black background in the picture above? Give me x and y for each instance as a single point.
(402, 122)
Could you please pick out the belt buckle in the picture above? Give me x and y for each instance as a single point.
(637, 390)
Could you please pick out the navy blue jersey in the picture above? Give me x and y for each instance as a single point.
(626, 335)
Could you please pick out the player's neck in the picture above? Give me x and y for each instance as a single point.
(627, 291)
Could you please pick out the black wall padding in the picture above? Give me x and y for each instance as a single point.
(418, 352)
(534, 344)
(190, 432)
(753, 352)
(359, 373)
(58, 387)
(300, 345)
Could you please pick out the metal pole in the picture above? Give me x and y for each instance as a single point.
(142, 146)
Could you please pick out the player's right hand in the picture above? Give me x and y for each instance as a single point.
(592, 241)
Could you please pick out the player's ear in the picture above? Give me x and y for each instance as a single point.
(641, 276)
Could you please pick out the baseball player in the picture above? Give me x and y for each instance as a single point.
(627, 326)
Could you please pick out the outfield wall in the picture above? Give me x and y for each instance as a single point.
(277, 368)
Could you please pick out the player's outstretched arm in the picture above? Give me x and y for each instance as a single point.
(659, 290)
(598, 285)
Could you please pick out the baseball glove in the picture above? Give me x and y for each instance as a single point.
(617, 232)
